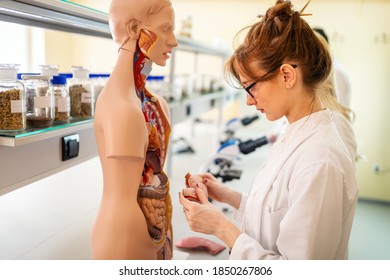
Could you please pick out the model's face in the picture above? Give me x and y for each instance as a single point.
(267, 96)
(162, 25)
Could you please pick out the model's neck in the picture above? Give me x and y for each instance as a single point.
(142, 68)
(133, 67)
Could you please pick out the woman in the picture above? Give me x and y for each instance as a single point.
(302, 201)
(132, 129)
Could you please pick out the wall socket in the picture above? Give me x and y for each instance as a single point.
(70, 146)
(376, 167)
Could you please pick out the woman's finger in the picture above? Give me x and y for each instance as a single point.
(183, 201)
(210, 183)
(201, 195)
(207, 176)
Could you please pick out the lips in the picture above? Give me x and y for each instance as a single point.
(261, 110)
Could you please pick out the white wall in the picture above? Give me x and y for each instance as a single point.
(359, 34)
(13, 49)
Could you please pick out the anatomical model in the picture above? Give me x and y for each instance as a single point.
(132, 130)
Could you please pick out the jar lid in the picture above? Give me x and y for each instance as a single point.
(9, 66)
(67, 75)
(58, 80)
(81, 72)
(21, 74)
(9, 71)
(99, 75)
(49, 70)
(35, 77)
(50, 66)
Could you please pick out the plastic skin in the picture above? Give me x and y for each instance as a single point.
(132, 129)
(191, 182)
(195, 242)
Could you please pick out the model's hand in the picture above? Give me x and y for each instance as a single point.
(205, 218)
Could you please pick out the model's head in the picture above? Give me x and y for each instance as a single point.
(128, 18)
(282, 47)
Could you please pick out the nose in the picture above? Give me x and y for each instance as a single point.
(249, 100)
(172, 42)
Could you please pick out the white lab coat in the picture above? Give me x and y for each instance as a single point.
(302, 201)
(345, 129)
(343, 125)
(342, 84)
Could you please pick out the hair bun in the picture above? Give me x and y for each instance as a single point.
(282, 10)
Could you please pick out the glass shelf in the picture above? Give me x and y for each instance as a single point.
(56, 15)
(33, 131)
(71, 17)
(83, 6)
(30, 135)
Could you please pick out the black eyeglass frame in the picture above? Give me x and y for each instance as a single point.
(248, 88)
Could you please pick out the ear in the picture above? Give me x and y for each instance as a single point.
(133, 29)
(289, 75)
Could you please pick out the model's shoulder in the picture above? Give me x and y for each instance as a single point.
(119, 108)
(163, 103)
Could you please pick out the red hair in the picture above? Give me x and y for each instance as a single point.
(281, 36)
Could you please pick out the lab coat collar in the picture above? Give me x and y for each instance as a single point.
(289, 142)
(306, 125)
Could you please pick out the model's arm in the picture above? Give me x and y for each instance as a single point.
(115, 235)
(121, 136)
(125, 131)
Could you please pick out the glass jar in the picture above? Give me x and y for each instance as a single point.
(61, 100)
(98, 83)
(49, 70)
(81, 93)
(12, 99)
(40, 101)
(158, 84)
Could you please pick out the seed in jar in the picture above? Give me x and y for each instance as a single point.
(33, 121)
(9, 120)
(79, 109)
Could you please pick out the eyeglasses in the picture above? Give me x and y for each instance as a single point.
(248, 88)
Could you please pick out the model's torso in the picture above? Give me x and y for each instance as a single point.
(153, 193)
(134, 133)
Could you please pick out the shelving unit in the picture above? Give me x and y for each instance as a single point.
(30, 156)
(17, 139)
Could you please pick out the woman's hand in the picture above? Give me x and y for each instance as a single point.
(205, 218)
(219, 192)
(216, 190)
(193, 181)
